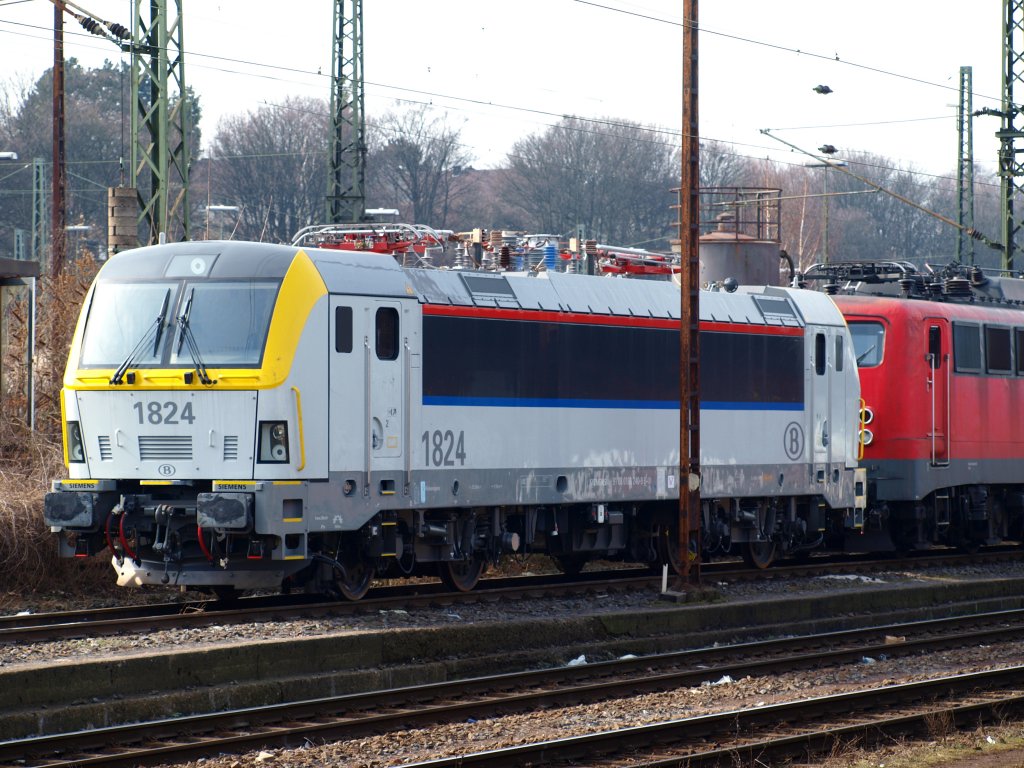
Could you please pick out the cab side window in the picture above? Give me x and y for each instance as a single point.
(819, 354)
(998, 354)
(967, 347)
(343, 329)
(387, 333)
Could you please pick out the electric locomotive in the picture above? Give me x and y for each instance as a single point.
(251, 416)
(941, 360)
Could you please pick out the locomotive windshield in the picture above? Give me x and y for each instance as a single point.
(868, 343)
(131, 322)
(229, 322)
(120, 318)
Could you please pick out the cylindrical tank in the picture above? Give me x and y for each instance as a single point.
(727, 253)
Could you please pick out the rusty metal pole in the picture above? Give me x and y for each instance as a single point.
(689, 313)
(57, 210)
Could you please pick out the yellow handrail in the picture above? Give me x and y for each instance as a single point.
(860, 431)
(302, 436)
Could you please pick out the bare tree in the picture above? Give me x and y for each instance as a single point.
(414, 163)
(606, 179)
(272, 165)
(97, 137)
(721, 166)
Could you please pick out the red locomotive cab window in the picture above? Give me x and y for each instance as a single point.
(868, 342)
(967, 348)
(1018, 348)
(934, 346)
(998, 356)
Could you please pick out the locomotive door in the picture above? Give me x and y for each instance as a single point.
(937, 372)
(368, 385)
(821, 406)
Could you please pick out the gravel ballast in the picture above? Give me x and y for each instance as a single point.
(439, 643)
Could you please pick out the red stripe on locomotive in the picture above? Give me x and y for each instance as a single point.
(547, 316)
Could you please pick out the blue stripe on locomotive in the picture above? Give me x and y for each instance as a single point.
(667, 405)
(470, 361)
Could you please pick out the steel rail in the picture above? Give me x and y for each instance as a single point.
(353, 715)
(740, 728)
(105, 621)
(155, 617)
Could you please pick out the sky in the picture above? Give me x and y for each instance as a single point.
(503, 71)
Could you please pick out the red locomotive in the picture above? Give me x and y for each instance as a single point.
(941, 361)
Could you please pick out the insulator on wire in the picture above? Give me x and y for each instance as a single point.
(102, 28)
(119, 31)
(91, 25)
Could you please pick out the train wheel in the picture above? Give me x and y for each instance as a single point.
(353, 581)
(570, 565)
(759, 554)
(460, 575)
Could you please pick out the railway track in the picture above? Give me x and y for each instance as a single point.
(767, 735)
(354, 715)
(197, 613)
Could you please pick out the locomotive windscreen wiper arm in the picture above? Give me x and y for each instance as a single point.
(865, 353)
(193, 348)
(155, 330)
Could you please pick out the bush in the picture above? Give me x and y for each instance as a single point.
(31, 458)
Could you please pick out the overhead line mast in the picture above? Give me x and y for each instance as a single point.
(159, 123)
(58, 209)
(965, 169)
(1011, 169)
(346, 195)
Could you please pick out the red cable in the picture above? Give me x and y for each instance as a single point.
(124, 542)
(202, 544)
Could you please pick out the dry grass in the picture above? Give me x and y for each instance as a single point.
(30, 459)
(996, 746)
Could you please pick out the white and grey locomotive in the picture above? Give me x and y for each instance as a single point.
(242, 415)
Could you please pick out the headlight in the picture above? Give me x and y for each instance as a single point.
(76, 447)
(867, 436)
(867, 415)
(273, 447)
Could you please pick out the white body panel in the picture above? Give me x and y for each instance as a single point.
(305, 389)
(178, 435)
(369, 416)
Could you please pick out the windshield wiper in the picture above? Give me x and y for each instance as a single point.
(155, 330)
(193, 348)
(863, 355)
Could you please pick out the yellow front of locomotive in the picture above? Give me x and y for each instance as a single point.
(182, 399)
